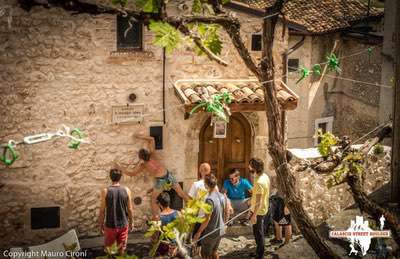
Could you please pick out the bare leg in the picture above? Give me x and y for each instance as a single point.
(181, 193)
(154, 206)
(215, 255)
(278, 231)
(288, 233)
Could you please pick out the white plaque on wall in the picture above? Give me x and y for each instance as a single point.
(127, 113)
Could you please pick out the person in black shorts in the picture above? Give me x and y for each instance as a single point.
(282, 219)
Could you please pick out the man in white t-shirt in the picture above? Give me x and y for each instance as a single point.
(204, 169)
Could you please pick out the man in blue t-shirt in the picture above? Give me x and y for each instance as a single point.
(236, 188)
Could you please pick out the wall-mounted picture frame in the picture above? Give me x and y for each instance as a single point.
(220, 128)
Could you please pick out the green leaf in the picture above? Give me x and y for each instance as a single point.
(196, 7)
(225, 1)
(166, 36)
(327, 140)
(210, 38)
(149, 6)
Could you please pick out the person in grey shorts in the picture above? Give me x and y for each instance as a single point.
(213, 228)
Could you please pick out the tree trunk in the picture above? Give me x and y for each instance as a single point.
(276, 147)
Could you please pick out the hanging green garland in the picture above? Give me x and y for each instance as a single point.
(9, 150)
(316, 69)
(304, 72)
(333, 63)
(78, 134)
(9, 154)
(217, 105)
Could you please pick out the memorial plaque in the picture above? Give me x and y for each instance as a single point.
(127, 114)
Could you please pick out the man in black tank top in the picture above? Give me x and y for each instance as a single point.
(116, 208)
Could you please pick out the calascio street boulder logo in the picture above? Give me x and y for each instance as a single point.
(359, 234)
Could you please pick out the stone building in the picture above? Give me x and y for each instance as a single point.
(331, 102)
(57, 68)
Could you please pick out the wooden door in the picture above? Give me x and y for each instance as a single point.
(228, 153)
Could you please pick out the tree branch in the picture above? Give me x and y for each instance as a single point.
(229, 23)
(197, 41)
(233, 30)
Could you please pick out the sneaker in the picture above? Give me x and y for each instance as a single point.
(276, 241)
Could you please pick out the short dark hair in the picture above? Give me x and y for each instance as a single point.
(257, 164)
(144, 154)
(164, 199)
(234, 171)
(210, 181)
(115, 175)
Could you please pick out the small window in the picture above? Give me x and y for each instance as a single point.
(128, 39)
(256, 42)
(325, 124)
(48, 217)
(293, 64)
(157, 133)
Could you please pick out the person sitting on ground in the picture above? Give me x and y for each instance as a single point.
(213, 228)
(116, 207)
(164, 179)
(236, 189)
(167, 215)
(282, 219)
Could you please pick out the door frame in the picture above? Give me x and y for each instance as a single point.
(248, 146)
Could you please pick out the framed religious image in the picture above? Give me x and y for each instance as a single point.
(220, 129)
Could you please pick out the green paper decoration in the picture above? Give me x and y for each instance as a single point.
(77, 133)
(304, 72)
(9, 149)
(333, 63)
(316, 69)
(9, 154)
(217, 105)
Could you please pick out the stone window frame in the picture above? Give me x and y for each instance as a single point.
(329, 125)
(129, 49)
(27, 219)
(251, 42)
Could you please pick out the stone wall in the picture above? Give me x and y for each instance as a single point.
(60, 69)
(353, 106)
(321, 203)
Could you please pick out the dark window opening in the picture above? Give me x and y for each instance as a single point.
(128, 39)
(256, 42)
(176, 200)
(293, 64)
(323, 126)
(48, 217)
(157, 133)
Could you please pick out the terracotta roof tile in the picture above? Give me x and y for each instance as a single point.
(320, 16)
(192, 92)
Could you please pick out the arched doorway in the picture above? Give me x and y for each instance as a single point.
(227, 153)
